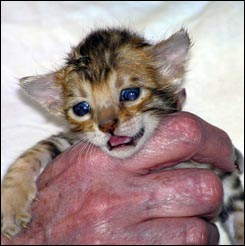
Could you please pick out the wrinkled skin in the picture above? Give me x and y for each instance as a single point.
(87, 197)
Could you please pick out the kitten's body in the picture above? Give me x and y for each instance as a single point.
(113, 90)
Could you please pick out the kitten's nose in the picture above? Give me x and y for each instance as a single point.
(108, 125)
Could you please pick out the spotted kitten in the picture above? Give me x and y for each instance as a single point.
(113, 91)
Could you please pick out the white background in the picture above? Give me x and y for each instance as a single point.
(37, 35)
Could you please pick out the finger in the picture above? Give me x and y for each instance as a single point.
(216, 147)
(164, 231)
(177, 193)
(171, 231)
(183, 136)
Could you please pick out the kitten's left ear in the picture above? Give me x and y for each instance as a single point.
(46, 90)
(171, 55)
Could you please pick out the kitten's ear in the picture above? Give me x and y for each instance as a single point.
(46, 91)
(171, 55)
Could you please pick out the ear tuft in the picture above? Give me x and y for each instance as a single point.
(45, 91)
(171, 54)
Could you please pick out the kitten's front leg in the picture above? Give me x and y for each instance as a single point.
(18, 188)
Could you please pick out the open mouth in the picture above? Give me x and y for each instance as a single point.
(120, 141)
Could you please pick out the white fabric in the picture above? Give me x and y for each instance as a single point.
(37, 35)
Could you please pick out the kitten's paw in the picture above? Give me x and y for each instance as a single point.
(15, 208)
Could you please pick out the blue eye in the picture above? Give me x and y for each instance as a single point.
(129, 94)
(81, 108)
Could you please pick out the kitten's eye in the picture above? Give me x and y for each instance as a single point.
(81, 108)
(85, 59)
(129, 94)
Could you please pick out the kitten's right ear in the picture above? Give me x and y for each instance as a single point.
(46, 91)
(171, 55)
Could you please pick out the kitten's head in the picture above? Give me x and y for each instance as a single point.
(115, 87)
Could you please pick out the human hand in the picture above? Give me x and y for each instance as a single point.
(87, 197)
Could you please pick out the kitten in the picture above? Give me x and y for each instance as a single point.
(113, 91)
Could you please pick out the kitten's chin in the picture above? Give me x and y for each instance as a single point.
(122, 152)
(125, 147)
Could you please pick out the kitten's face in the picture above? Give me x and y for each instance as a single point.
(115, 114)
(115, 88)
(112, 114)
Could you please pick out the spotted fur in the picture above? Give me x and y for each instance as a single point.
(96, 71)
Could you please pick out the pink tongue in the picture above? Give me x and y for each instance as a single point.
(117, 140)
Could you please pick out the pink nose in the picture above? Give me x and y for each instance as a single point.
(108, 125)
